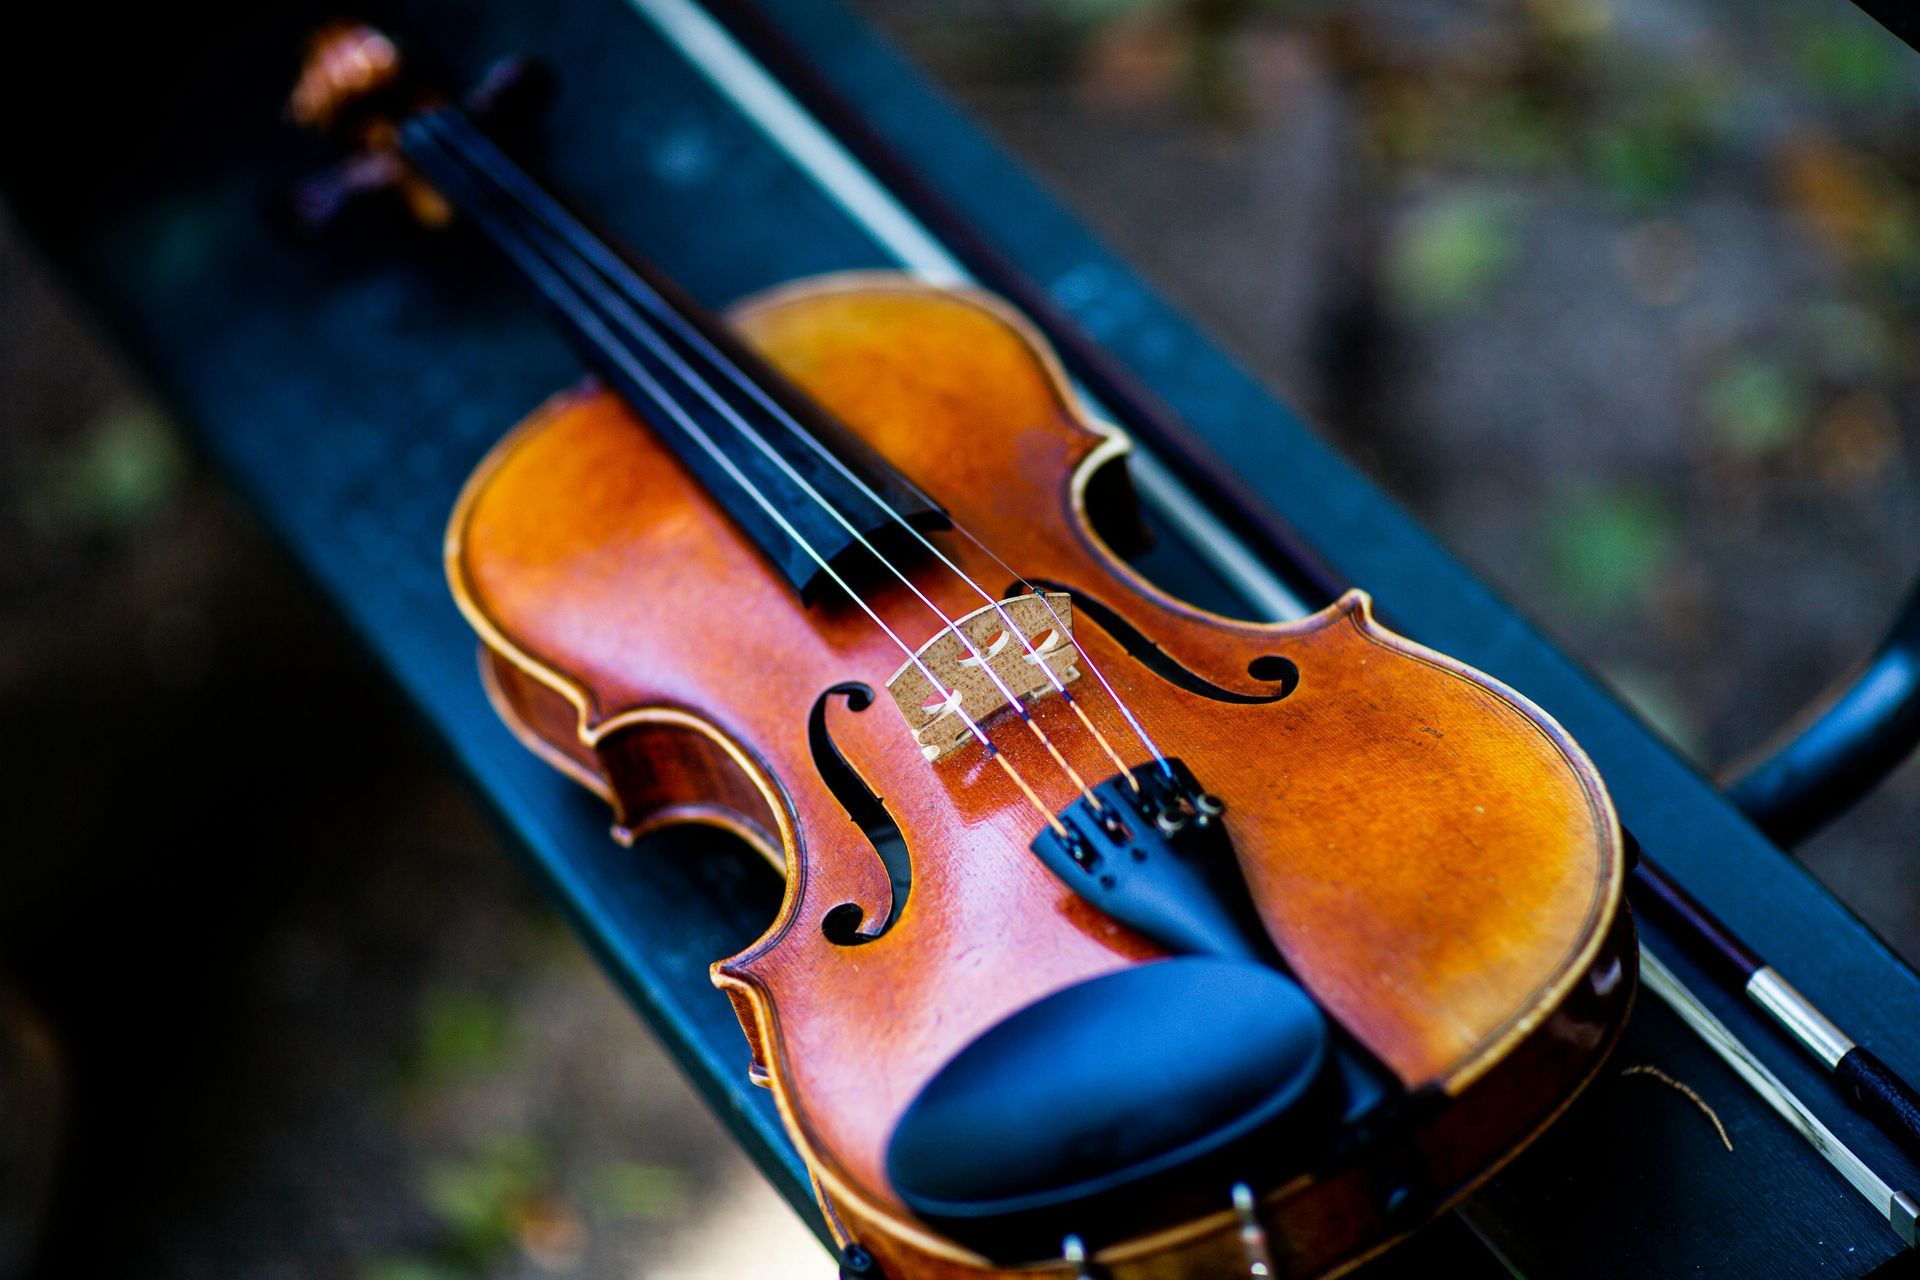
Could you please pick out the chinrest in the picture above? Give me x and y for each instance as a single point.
(1081, 1112)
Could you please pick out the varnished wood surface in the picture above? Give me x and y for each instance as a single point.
(1435, 859)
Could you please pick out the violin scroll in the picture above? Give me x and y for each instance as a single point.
(353, 86)
(347, 64)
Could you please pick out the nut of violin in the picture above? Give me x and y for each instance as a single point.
(1022, 665)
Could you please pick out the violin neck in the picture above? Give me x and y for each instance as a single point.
(805, 490)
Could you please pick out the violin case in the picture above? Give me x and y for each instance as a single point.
(301, 374)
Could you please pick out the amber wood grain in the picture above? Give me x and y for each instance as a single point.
(1435, 859)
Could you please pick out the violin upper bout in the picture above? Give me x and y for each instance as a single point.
(551, 557)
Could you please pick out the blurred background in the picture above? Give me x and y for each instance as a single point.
(1620, 296)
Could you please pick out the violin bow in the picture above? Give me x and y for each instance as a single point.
(1872, 1086)
(1900, 1208)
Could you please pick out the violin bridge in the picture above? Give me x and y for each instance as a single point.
(935, 718)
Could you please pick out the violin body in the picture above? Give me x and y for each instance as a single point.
(1435, 861)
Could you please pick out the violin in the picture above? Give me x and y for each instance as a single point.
(1119, 938)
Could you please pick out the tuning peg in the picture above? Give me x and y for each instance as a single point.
(513, 94)
(347, 66)
(352, 85)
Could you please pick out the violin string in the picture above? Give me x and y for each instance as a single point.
(564, 224)
(1139, 730)
(594, 286)
(1053, 819)
(562, 292)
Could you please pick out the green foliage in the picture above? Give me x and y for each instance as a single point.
(1609, 548)
(1514, 132)
(1757, 407)
(478, 1199)
(637, 1189)
(1574, 24)
(1639, 162)
(126, 469)
(1854, 60)
(482, 1200)
(1645, 155)
(460, 1032)
(1847, 340)
(1891, 243)
(1451, 253)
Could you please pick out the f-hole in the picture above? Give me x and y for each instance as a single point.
(842, 923)
(1271, 668)
(1268, 668)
